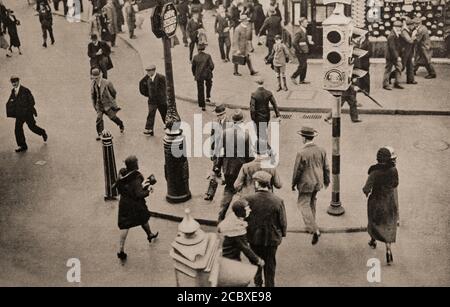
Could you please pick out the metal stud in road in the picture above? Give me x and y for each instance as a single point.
(109, 163)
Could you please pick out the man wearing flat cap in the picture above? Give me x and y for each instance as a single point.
(393, 57)
(235, 151)
(423, 49)
(20, 106)
(202, 69)
(311, 173)
(408, 38)
(153, 86)
(267, 225)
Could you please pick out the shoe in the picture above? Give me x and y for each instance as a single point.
(398, 86)
(430, 76)
(373, 244)
(237, 74)
(122, 128)
(44, 45)
(21, 149)
(285, 88)
(8, 55)
(279, 88)
(208, 197)
(386, 87)
(98, 138)
(259, 44)
(411, 82)
(224, 60)
(315, 238)
(253, 73)
(122, 256)
(186, 45)
(305, 82)
(389, 258)
(53, 42)
(203, 109)
(208, 100)
(227, 60)
(294, 81)
(152, 236)
(148, 132)
(356, 121)
(45, 137)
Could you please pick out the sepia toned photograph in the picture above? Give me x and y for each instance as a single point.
(225, 143)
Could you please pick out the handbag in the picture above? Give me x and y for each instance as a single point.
(239, 59)
(11, 109)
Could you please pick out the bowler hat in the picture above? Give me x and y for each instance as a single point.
(262, 176)
(220, 109)
(307, 131)
(95, 72)
(238, 116)
(397, 23)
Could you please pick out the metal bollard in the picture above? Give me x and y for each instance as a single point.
(109, 163)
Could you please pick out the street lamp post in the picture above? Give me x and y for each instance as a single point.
(176, 167)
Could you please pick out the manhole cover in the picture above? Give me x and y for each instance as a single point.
(431, 145)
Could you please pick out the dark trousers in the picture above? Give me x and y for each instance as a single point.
(152, 107)
(183, 33)
(228, 194)
(224, 47)
(201, 91)
(388, 71)
(112, 116)
(20, 135)
(249, 64)
(113, 40)
(267, 253)
(191, 48)
(409, 66)
(302, 67)
(48, 29)
(270, 41)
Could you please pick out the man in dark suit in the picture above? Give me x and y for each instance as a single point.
(23, 110)
(271, 28)
(222, 28)
(235, 151)
(153, 86)
(99, 54)
(267, 225)
(202, 69)
(301, 46)
(393, 57)
(260, 109)
(311, 173)
(46, 20)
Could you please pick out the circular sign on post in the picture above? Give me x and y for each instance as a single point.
(169, 19)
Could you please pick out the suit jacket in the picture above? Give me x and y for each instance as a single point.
(202, 66)
(259, 105)
(221, 24)
(23, 103)
(97, 60)
(245, 182)
(267, 223)
(300, 42)
(155, 91)
(271, 27)
(240, 39)
(107, 95)
(393, 48)
(311, 170)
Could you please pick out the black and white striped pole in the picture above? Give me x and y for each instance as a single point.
(335, 207)
(109, 165)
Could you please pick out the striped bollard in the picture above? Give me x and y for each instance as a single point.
(109, 163)
(335, 207)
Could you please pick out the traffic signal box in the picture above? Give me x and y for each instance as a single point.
(340, 48)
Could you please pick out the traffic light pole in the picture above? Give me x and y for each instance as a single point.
(335, 207)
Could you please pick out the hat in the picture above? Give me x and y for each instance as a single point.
(201, 47)
(409, 21)
(95, 72)
(150, 67)
(278, 36)
(220, 109)
(243, 18)
(262, 177)
(417, 20)
(238, 116)
(384, 155)
(14, 78)
(238, 207)
(94, 37)
(259, 81)
(307, 131)
(397, 23)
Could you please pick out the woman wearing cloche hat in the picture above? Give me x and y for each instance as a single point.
(382, 208)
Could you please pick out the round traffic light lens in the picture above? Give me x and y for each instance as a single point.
(334, 37)
(334, 57)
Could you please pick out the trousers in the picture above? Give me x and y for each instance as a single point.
(162, 108)
(302, 67)
(306, 203)
(268, 254)
(111, 115)
(201, 91)
(18, 130)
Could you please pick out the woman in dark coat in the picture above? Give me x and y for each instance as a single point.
(11, 23)
(382, 206)
(132, 208)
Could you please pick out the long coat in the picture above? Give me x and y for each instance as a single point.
(258, 17)
(23, 103)
(240, 39)
(132, 208)
(111, 15)
(382, 210)
(107, 96)
(202, 66)
(10, 22)
(103, 60)
(267, 223)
